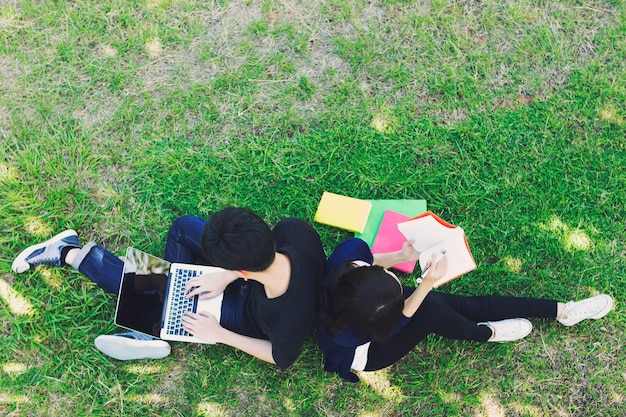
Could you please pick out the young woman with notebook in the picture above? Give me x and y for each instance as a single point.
(368, 320)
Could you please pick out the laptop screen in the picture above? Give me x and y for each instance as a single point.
(141, 299)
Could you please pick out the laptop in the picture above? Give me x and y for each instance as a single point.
(152, 296)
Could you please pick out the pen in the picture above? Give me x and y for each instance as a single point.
(425, 271)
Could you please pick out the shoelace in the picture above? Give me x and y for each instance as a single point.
(45, 261)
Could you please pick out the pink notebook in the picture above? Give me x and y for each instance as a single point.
(389, 239)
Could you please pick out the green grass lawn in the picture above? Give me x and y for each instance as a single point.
(509, 118)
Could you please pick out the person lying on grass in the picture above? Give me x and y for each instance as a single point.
(269, 286)
(368, 320)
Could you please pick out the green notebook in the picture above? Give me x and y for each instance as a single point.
(407, 207)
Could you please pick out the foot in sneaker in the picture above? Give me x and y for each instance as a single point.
(46, 253)
(508, 330)
(132, 345)
(589, 308)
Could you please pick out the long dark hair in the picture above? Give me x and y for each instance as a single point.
(366, 299)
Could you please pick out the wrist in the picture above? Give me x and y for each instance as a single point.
(397, 257)
(230, 276)
(222, 335)
(427, 284)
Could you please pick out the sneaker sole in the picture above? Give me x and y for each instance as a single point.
(20, 265)
(125, 349)
(599, 315)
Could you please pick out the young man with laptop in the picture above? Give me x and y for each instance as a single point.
(267, 280)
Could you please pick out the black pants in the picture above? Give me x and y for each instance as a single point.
(455, 317)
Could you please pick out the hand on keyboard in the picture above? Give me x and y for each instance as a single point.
(210, 284)
(202, 325)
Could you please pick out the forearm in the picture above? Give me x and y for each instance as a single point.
(229, 277)
(259, 348)
(389, 259)
(414, 301)
(435, 270)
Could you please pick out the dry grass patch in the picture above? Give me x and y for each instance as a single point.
(98, 109)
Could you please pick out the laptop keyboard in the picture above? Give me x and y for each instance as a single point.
(179, 303)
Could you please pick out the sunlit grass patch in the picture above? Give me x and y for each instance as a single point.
(13, 399)
(107, 50)
(383, 121)
(577, 240)
(145, 368)
(380, 383)
(37, 227)
(14, 368)
(612, 113)
(17, 303)
(7, 173)
(154, 48)
(572, 239)
(52, 277)
(151, 398)
(514, 264)
(490, 406)
(211, 409)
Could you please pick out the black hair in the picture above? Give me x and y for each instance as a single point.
(366, 299)
(238, 239)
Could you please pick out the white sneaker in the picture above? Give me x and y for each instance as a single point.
(589, 308)
(132, 345)
(46, 253)
(508, 330)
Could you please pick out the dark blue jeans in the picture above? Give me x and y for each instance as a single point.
(183, 245)
(100, 266)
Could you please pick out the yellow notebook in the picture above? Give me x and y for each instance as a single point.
(343, 212)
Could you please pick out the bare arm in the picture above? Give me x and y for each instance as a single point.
(259, 348)
(210, 285)
(206, 327)
(414, 301)
(389, 259)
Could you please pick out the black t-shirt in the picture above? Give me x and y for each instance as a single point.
(287, 320)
